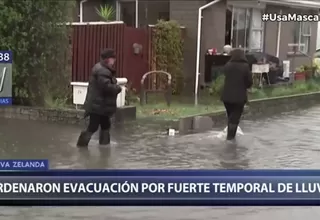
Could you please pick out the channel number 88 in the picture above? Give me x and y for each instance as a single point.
(4, 56)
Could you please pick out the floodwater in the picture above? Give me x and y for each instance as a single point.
(285, 141)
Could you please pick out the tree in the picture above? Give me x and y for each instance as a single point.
(37, 33)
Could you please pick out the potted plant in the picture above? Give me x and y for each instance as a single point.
(305, 72)
(106, 12)
(310, 71)
(300, 73)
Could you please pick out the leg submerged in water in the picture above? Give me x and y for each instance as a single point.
(84, 139)
(85, 136)
(104, 137)
(234, 116)
(232, 131)
(105, 124)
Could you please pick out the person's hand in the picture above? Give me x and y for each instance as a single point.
(114, 80)
(118, 89)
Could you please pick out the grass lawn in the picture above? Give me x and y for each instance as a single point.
(182, 106)
(175, 111)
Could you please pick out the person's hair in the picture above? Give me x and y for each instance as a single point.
(238, 55)
(107, 53)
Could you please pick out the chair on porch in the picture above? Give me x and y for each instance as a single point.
(258, 71)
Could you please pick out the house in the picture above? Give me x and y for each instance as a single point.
(233, 22)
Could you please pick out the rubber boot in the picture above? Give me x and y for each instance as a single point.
(232, 131)
(104, 137)
(84, 139)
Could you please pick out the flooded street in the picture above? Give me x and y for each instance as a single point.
(285, 141)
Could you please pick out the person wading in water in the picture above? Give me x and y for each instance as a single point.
(101, 100)
(238, 79)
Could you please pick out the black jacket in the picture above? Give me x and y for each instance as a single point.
(238, 78)
(102, 91)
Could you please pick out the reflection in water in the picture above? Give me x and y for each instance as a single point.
(234, 156)
(287, 141)
(95, 157)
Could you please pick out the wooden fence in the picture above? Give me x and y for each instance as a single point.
(88, 40)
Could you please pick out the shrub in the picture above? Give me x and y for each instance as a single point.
(168, 51)
(37, 33)
(217, 86)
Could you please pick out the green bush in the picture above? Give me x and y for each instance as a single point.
(217, 86)
(37, 34)
(297, 87)
(168, 50)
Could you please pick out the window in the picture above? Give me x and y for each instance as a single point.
(128, 13)
(149, 12)
(304, 36)
(256, 31)
(247, 29)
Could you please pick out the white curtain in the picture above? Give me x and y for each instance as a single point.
(247, 28)
(305, 34)
(239, 17)
(256, 33)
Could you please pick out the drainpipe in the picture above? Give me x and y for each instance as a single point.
(81, 10)
(279, 36)
(318, 36)
(118, 11)
(137, 13)
(198, 47)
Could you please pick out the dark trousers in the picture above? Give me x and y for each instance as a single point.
(234, 113)
(98, 120)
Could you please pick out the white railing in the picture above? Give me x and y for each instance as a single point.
(94, 23)
(80, 92)
(91, 23)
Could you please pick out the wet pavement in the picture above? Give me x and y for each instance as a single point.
(285, 141)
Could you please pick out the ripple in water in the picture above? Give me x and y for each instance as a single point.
(282, 142)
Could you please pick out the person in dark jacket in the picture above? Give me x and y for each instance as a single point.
(238, 79)
(101, 99)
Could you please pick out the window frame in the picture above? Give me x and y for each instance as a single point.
(251, 29)
(301, 43)
(143, 10)
(261, 30)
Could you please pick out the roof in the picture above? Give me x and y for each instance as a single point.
(295, 3)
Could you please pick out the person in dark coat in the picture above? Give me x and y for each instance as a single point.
(101, 99)
(238, 79)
